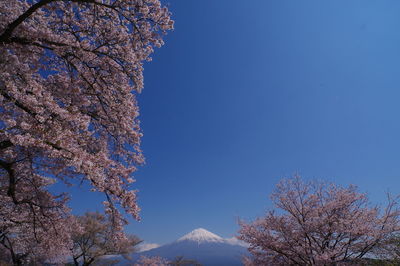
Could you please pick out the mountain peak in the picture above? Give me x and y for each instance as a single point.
(201, 235)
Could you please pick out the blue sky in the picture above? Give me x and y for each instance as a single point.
(246, 92)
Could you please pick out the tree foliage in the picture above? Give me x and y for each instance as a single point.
(33, 227)
(69, 74)
(318, 224)
(94, 238)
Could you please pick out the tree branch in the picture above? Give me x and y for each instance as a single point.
(11, 27)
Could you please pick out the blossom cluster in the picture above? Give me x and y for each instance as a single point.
(318, 224)
(69, 74)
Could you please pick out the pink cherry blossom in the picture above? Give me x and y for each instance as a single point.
(69, 74)
(318, 224)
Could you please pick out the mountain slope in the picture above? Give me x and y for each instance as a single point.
(203, 246)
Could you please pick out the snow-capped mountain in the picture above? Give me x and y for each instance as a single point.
(203, 246)
(201, 235)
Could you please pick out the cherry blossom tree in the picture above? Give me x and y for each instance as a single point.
(94, 238)
(318, 224)
(69, 74)
(33, 227)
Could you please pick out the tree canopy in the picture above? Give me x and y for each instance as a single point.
(69, 74)
(318, 224)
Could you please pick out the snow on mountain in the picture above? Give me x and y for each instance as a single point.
(203, 246)
(201, 235)
(235, 241)
(147, 246)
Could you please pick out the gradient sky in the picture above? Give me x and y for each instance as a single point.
(246, 92)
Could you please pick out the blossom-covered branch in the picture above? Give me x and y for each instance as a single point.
(318, 224)
(69, 74)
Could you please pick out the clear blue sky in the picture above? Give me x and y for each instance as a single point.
(246, 92)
